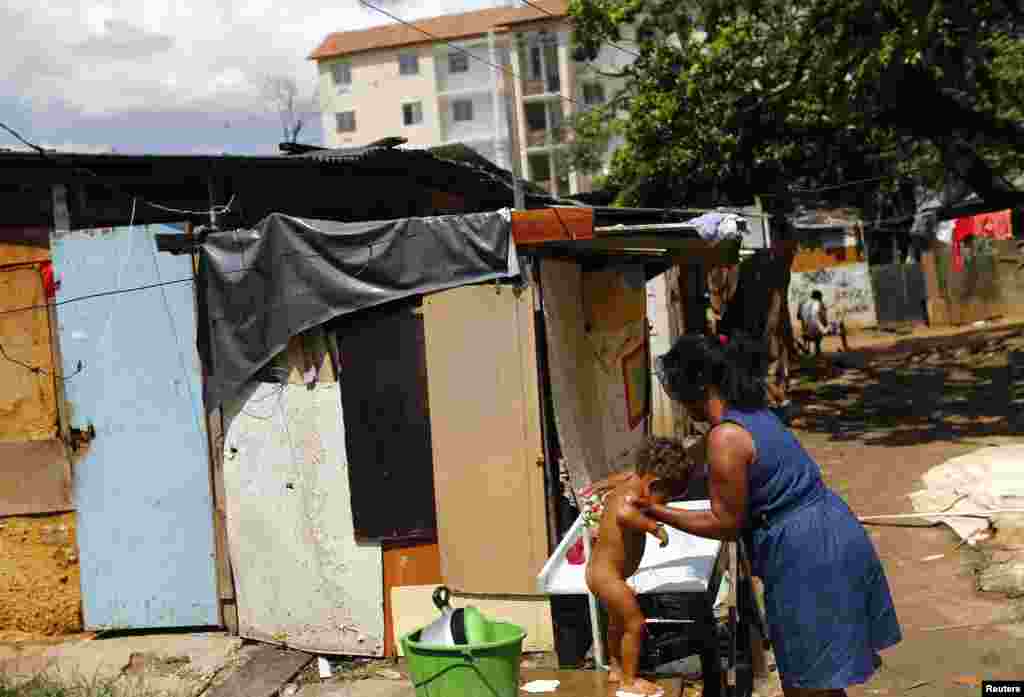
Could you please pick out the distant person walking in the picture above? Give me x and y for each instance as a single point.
(814, 318)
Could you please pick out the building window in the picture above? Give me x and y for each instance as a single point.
(342, 73)
(462, 110)
(412, 114)
(536, 62)
(458, 62)
(408, 64)
(593, 93)
(346, 121)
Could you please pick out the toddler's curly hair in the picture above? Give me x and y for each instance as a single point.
(665, 458)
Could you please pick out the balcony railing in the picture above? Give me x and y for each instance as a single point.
(543, 138)
(551, 85)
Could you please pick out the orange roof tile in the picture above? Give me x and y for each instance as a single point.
(445, 28)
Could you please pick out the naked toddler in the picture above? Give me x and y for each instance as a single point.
(661, 473)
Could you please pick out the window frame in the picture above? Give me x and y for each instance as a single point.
(415, 57)
(342, 86)
(458, 56)
(455, 111)
(417, 108)
(337, 121)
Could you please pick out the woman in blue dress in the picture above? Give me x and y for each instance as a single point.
(827, 599)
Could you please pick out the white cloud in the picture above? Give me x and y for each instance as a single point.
(101, 57)
(169, 75)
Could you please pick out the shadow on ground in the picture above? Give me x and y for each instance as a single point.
(910, 395)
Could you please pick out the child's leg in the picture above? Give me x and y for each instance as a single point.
(614, 647)
(621, 601)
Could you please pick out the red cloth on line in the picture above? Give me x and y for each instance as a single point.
(994, 226)
(50, 284)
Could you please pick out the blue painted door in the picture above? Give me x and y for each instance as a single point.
(142, 486)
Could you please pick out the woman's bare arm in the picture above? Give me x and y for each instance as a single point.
(730, 451)
(629, 515)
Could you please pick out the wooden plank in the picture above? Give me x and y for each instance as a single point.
(35, 477)
(552, 225)
(21, 244)
(485, 431)
(225, 580)
(264, 674)
(229, 616)
(407, 565)
(28, 401)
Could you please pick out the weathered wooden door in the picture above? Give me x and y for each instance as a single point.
(142, 485)
(485, 431)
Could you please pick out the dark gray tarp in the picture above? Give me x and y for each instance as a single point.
(260, 287)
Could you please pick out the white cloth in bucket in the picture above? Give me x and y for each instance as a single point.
(541, 686)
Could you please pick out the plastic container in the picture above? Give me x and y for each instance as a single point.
(477, 669)
(461, 626)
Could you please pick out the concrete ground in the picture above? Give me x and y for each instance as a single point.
(175, 664)
(919, 402)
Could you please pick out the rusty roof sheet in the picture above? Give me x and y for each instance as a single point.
(444, 28)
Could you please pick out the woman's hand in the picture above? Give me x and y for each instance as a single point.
(730, 452)
(641, 502)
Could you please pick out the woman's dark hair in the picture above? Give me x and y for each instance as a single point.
(736, 366)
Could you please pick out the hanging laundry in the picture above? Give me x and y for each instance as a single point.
(993, 226)
(50, 282)
(716, 226)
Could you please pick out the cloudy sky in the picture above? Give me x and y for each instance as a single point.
(168, 76)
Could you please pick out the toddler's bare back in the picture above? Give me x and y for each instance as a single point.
(619, 549)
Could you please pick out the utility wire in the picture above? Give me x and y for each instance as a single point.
(40, 150)
(102, 294)
(218, 210)
(36, 369)
(856, 182)
(435, 37)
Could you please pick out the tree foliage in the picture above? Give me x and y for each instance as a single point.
(734, 97)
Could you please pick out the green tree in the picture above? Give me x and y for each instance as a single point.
(734, 97)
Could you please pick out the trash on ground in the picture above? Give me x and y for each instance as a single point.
(986, 479)
(537, 686)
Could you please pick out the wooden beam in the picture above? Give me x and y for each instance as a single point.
(264, 674)
(546, 225)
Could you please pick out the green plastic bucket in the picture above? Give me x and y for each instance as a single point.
(488, 669)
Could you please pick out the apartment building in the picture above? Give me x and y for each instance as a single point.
(502, 81)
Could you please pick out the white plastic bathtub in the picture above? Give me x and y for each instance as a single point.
(685, 565)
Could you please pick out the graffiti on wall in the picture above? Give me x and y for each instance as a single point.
(846, 290)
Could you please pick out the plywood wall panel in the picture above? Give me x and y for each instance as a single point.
(488, 458)
(28, 402)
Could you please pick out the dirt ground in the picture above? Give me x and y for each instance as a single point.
(905, 405)
(40, 593)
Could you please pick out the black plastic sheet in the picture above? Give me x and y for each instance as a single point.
(260, 287)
